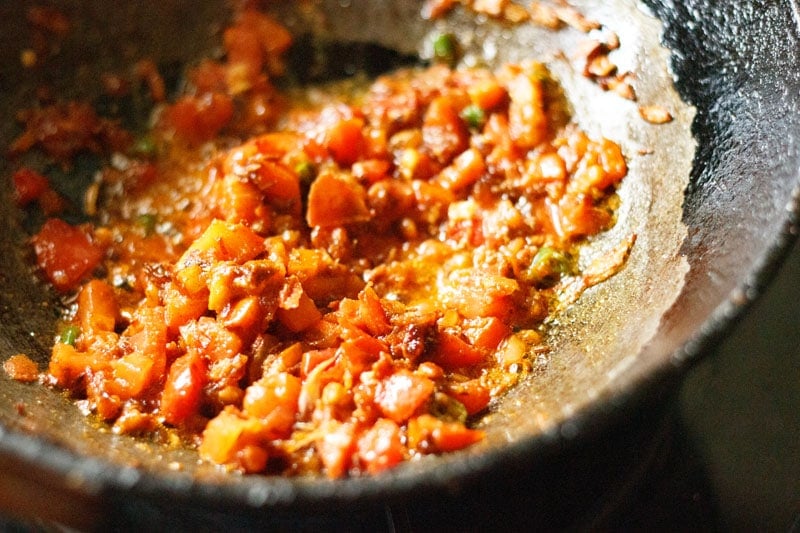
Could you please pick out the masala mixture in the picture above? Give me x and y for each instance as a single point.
(314, 280)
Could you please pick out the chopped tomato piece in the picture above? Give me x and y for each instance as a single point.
(274, 398)
(183, 389)
(380, 447)
(312, 358)
(67, 364)
(211, 339)
(29, 185)
(452, 352)
(97, 307)
(345, 140)
(428, 434)
(336, 200)
(360, 353)
(465, 170)
(487, 94)
(180, 307)
(367, 313)
(472, 394)
(132, 374)
(66, 254)
(199, 119)
(371, 170)
(273, 36)
(526, 114)
(280, 185)
(443, 131)
(487, 334)
(479, 294)
(301, 316)
(233, 439)
(336, 447)
(400, 395)
(223, 242)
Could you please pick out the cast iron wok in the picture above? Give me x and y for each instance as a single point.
(712, 224)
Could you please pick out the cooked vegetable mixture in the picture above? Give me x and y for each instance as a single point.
(323, 280)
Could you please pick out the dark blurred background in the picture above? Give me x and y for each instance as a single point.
(740, 410)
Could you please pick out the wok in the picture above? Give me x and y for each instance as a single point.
(712, 197)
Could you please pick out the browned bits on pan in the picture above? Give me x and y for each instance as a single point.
(655, 114)
(602, 268)
(611, 40)
(516, 14)
(62, 130)
(609, 263)
(49, 20)
(594, 53)
(147, 71)
(575, 19)
(20, 367)
(114, 85)
(554, 15)
(598, 66)
(544, 15)
(621, 84)
(493, 8)
(48, 26)
(433, 9)
(548, 15)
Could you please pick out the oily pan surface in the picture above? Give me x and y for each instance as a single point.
(595, 343)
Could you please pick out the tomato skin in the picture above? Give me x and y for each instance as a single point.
(335, 448)
(66, 254)
(429, 434)
(183, 388)
(199, 119)
(97, 307)
(472, 394)
(443, 131)
(453, 352)
(29, 186)
(402, 394)
(380, 447)
(336, 200)
(274, 398)
(345, 140)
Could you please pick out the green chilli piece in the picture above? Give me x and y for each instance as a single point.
(306, 171)
(549, 265)
(148, 222)
(445, 48)
(145, 146)
(474, 116)
(70, 335)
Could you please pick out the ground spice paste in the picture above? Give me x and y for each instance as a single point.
(318, 281)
